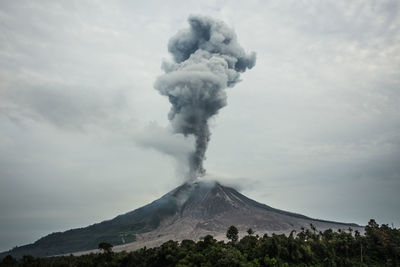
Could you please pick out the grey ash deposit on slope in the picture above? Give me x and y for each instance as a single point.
(204, 208)
(190, 211)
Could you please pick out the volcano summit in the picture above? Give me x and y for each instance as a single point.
(190, 211)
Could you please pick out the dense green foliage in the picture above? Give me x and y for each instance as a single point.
(232, 234)
(379, 246)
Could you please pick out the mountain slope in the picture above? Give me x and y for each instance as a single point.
(190, 211)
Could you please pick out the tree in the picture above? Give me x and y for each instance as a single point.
(313, 227)
(106, 247)
(209, 240)
(250, 231)
(9, 261)
(232, 234)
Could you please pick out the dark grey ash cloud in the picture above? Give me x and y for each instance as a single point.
(207, 59)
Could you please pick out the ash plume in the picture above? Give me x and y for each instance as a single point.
(206, 59)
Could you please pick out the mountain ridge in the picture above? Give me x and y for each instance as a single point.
(189, 211)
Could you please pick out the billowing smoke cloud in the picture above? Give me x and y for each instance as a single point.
(206, 59)
(165, 141)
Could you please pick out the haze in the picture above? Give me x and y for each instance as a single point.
(313, 128)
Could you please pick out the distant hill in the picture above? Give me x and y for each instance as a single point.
(190, 211)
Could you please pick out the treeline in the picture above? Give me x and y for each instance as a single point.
(378, 246)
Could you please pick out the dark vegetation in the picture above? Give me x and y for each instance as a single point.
(105, 247)
(379, 246)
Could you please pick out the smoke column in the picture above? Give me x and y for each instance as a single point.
(206, 59)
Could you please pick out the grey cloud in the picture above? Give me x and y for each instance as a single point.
(60, 105)
(214, 37)
(165, 141)
(208, 59)
(324, 94)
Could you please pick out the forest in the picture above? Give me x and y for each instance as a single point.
(378, 246)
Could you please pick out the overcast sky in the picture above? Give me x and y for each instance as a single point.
(313, 128)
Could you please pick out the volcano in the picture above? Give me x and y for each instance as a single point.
(190, 211)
